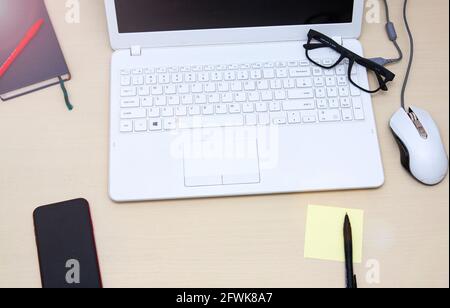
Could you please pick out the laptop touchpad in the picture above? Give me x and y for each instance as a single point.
(221, 160)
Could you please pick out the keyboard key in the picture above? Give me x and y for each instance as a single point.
(210, 87)
(200, 99)
(243, 75)
(309, 118)
(140, 125)
(275, 106)
(280, 95)
(214, 98)
(276, 84)
(305, 83)
(151, 79)
(146, 101)
(143, 91)
(207, 109)
(307, 104)
(321, 93)
(216, 76)
(221, 108)
(155, 125)
(261, 107)
(250, 85)
(125, 81)
(156, 90)
(319, 82)
(289, 83)
(253, 96)
(167, 112)
(330, 81)
(344, 91)
(126, 126)
(133, 113)
(128, 91)
(160, 100)
(267, 95)
(294, 117)
(183, 89)
(190, 77)
(203, 77)
(154, 112)
(263, 119)
(255, 74)
(282, 73)
(347, 114)
(251, 120)
(248, 107)
(342, 81)
(278, 118)
(354, 91)
(269, 73)
(180, 110)
(300, 72)
(346, 102)
(317, 71)
(358, 109)
(138, 80)
(333, 103)
(301, 93)
(227, 97)
(173, 99)
(236, 86)
(240, 97)
(187, 99)
(194, 110)
(170, 124)
(263, 85)
(234, 108)
(332, 92)
(170, 89)
(322, 103)
(129, 102)
(197, 88)
(229, 76)
(332, 115)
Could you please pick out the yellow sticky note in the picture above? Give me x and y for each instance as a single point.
(325, 236)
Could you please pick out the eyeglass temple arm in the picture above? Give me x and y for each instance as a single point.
(310, 46)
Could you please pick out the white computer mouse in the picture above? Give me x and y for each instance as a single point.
(422, 151)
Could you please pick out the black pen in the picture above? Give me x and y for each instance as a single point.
(348, 243)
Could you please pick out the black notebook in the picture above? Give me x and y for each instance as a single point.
(41, 63)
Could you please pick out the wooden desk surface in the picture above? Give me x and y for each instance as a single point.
(48, 154)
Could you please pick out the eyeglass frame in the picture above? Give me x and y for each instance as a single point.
(327, 42)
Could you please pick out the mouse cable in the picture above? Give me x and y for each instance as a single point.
(392, 34)
(411, 56)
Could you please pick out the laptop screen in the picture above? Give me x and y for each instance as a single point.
(134, 16)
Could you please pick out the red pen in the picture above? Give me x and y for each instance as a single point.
(32, 32)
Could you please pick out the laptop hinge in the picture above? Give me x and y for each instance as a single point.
(339, 40)
(136, 51)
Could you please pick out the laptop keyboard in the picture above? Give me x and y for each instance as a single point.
(230, 95)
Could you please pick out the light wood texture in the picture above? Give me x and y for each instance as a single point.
(48, 154)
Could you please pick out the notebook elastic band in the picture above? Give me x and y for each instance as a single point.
(66, 94)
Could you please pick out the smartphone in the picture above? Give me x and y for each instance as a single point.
(66, 245)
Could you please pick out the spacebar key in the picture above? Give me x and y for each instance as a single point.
(211, 121)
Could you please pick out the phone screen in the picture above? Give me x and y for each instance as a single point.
(66, 246)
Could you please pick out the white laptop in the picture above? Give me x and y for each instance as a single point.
(216, 98)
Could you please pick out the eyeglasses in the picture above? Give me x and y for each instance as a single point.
(318, 41)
